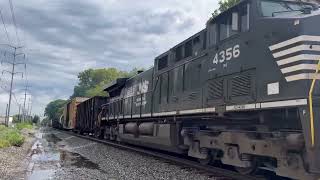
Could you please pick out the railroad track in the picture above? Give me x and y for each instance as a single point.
(218, 173)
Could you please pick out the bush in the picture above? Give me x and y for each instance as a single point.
(10, 137)
(21, 126)
(2, 127)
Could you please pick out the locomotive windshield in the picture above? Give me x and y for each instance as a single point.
(285, 8)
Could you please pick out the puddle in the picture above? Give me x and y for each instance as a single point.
(50, 153)
(41, 174)
(52, 138)
(76, 160)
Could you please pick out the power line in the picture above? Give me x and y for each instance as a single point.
(12, 72)
(5, 27)
(14, 20)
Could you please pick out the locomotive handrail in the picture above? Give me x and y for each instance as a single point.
(311, 105)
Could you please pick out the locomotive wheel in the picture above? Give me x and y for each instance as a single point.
(213, 157)
(205, 161)
(249, 170)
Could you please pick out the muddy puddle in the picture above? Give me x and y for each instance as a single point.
(49, 153)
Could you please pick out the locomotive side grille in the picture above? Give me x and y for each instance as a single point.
(174, 99)
(298, 57)
(215, 89)
(191, 97)
(241, 85)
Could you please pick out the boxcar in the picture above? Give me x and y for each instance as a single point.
(87, 114)
(69, 113)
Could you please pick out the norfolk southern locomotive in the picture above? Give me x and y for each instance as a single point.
(244, 92)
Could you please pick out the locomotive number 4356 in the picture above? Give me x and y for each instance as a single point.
(227, 54)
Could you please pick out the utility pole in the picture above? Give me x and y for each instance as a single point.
(30, 110)
(29, 105)
(19, 116)
(5, 118)
(12, 72)
(24, 101)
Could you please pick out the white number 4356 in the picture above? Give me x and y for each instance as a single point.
(227, 55)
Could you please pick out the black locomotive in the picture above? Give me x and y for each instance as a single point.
(244, 92)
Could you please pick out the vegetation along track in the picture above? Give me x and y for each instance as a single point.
(209, 170)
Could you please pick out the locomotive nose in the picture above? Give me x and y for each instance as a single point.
(298, 56)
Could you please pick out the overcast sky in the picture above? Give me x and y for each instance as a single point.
(64, 37)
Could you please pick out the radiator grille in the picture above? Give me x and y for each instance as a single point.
(191, 97)
(215, 89)
(241, 85)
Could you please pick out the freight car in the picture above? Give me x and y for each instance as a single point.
(68, 120)
(87, 115)
(243, 92)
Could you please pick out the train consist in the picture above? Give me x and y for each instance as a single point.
(243, 92)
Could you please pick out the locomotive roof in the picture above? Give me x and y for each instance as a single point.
(116, 84)
(181, 43)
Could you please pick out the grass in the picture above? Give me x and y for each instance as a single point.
(21, 126)
(12, 136)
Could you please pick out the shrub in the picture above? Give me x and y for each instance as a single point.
(10, 137)
(2, 127)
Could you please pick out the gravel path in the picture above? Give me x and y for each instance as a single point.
(98, 161)
(14, 160)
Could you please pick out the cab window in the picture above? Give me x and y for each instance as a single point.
(212, 34)
(244, 17)
(228, 24)
(283, 8)
(225, 27)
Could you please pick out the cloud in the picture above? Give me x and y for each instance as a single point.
(63, 38)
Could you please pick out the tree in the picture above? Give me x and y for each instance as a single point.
(55, 109)
(224, 5)
(92, 81)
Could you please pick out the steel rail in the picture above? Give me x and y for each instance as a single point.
(190, 163)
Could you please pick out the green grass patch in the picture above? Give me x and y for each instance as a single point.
(21, 126)
(10, 137)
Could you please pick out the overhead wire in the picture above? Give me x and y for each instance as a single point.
(5, 27)
(14, 21)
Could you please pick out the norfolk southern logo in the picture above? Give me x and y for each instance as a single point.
(143, 87)
(141, 93)
(296, 59)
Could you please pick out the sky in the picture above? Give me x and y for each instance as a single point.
(64, 37)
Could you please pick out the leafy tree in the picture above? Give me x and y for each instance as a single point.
(224, 5)
(54, 109)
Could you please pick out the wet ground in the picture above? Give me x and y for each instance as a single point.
(50, 153)
(57, 155)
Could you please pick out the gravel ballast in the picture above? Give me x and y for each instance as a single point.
(99, 161)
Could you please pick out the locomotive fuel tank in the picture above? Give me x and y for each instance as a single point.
(131, 128)
(146, 129)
